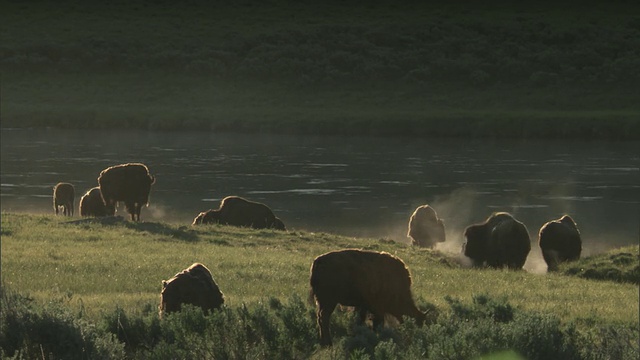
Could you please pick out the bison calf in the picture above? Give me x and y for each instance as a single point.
(237, 211)
(559, 241)
(374, 282)
(64, 196)
(425, 229)
(129, 183)
(498, 242)
(194, 286)
(91, 204)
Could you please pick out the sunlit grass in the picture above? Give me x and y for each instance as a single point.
(98, 267)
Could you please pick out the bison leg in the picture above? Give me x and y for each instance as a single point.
(378, 320)
(132, 209)
(362, 315)
(324, 315)
(138, 208)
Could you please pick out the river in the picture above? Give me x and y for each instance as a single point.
(346, 185)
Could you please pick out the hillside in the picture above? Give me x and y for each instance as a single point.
(492, 69)
(113, 272)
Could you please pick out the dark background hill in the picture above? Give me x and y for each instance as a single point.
(568, 69)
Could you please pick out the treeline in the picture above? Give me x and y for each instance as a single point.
(525, 49)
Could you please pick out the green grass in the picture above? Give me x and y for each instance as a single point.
(88, 279)
(492, 69)
(103, 266)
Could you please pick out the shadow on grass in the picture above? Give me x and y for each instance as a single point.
(182, 233)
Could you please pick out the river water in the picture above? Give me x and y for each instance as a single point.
(352, 186)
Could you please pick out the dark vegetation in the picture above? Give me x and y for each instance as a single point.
(622, 265)
(273, 329)
(493, 68)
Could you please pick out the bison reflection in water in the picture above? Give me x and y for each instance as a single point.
(559, 241)
(374, 282)
(129, 183)
(63, 196)
(194, 286)
(498, 242)
(91, 204)
(237, 211)
(425, 229)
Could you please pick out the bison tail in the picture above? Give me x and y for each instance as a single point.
(312, 297)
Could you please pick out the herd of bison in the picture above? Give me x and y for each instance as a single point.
(362, 279)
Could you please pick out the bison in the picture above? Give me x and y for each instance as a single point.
(560, 241)
(238, 211)
(91, 204)
(129, 183)
(498, 242)
(425, 229)
(193, 285)
(64, 196)
(374, 282)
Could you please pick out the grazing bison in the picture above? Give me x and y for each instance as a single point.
(374, 282)
(237, 211)
(129, 183)
(559, 241)
(498, 242)
(64, 196)
(425, 229)
(92, 205)
(194, 286)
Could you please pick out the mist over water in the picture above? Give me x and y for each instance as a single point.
(352, 186)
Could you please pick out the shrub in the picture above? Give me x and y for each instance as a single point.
(50, 332)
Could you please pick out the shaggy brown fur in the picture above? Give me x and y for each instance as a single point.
(194, 286)
(374, 282)
(91, 204)
(64, 196)
(560, 241)
(425, 229)
(129, 183)
(498, 242)
(237, 211)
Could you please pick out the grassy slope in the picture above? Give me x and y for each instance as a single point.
(294, 67)
(99, 267)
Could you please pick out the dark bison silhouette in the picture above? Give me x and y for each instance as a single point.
(498, 242)
(91, 204)
(64, 196)
(425, 229)
(193, 285)
(559, 241)
(374, 282)
(238, 211)
(128, 183)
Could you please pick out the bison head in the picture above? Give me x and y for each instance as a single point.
(475, 246)
(211, 217)
(278, 224)
(198, 219)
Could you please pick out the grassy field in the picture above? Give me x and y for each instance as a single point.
(99, 270)
(493, 69)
